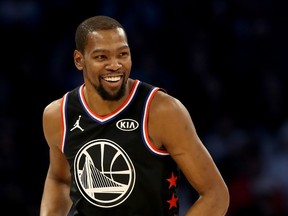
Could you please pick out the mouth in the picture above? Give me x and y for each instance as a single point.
(112, 79)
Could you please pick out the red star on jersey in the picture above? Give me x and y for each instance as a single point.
(172, 180)
(173, 202)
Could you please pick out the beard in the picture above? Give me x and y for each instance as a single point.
(111, 97)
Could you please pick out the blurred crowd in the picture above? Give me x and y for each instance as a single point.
(225, 60)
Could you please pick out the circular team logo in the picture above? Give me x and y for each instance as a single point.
(104, 173)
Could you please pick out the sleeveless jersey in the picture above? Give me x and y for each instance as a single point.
(115, 169)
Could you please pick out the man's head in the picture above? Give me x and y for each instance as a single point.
(103, 54)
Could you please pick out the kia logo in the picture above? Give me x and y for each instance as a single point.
(127, 124)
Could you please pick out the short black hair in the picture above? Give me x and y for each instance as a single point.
(91, 24)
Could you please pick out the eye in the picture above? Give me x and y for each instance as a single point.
(123, 54)
(100, 57)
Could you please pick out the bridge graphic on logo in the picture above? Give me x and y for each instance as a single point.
(95, 181)
(104, 173)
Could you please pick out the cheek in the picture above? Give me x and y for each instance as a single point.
(93, 68)
(91, 73)
(127, 64)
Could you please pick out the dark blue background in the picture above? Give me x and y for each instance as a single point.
(225, 60)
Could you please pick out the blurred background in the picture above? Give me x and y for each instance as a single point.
(225, 60)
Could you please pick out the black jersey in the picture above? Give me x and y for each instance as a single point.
(115, 169)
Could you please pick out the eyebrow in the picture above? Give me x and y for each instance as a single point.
(105, 51)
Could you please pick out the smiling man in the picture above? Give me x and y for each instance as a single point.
(117, 145)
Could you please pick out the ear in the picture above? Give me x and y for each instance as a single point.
(78, 60)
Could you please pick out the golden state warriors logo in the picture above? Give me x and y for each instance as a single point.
(104, 173)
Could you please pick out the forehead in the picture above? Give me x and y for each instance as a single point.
(107, 37)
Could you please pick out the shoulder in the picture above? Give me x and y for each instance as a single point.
(52, 123)
(53, 111)
(163, 103)
(169, 120)
(53, 108)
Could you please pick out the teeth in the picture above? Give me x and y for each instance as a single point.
(112, 79)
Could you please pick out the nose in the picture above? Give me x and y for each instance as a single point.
(113, 64)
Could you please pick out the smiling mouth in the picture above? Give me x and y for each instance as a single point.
(112, 78)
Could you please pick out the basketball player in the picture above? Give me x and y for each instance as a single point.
(117, 145)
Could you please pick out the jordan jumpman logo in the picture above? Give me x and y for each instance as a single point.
(77, 125)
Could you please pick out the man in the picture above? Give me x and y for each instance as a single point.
(117, 145)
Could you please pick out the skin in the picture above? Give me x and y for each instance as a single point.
(107, 55)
